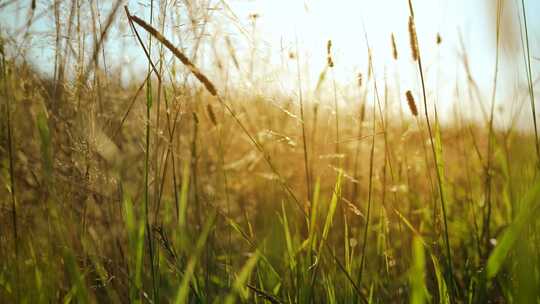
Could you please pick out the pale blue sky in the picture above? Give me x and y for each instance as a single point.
(281, 23)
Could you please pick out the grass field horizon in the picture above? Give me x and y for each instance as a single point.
(208, 173)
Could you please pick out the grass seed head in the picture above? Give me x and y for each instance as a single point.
(411, 103)
(211, 114)
(362, 111)
(181, 56)
(329, 54)
(394, 47)
(413, 39)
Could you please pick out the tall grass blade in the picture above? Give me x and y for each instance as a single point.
(444, 296)
(336, 195)
(184, 192)
(288, 239)
(241, 280)
(135, 233)
(528, 208)
(183, 290)
(76, 277)
(417, 273)
(314, 215)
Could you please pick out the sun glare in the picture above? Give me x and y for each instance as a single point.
(284, 27)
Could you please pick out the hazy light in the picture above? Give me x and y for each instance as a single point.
(281, 24)
(302, 28)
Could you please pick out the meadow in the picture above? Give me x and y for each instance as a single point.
(176, 188)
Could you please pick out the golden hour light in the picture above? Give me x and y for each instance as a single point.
(255, 151)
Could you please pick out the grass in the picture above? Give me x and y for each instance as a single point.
(191, 192)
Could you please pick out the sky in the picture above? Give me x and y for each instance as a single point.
(312, 23)
(303, 28)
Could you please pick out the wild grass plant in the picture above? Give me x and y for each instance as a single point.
(177, 188)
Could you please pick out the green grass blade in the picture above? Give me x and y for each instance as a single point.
(76, 277)
(444, 296)
(314, 214)
(241, 279)
(135, 232)
(331, 210)
(183, 290)
(417, 273)
(45, 137)
(527, 209)
(184, 196)
(288, 239)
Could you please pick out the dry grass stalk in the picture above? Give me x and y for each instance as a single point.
(183, 58)
(99, 43)
(232, 53)
(370, 62)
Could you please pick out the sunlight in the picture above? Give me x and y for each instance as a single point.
(282, 24)
(346, 23)
(269, 151)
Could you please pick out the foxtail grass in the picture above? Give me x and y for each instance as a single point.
(411, 103)
(394, 47)
(416, 57)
